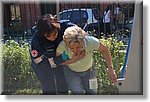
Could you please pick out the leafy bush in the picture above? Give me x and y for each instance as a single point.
(19, 77)
(115, 48)
(17, 71)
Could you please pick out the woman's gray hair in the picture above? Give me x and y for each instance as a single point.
(74, 33)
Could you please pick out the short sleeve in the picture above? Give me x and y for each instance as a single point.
(61, 47)
(94, 42)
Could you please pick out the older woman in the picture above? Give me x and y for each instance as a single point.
(77, 49)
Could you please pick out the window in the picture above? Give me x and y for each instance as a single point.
(15, 12)
(65, 15)
(15, 16)
(79, 17)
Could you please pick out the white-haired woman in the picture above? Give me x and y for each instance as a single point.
(77, 49)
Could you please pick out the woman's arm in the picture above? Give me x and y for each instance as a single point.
(105, 52)
(74, 58)
(107, 56)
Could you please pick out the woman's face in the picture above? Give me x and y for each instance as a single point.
(52, 36)
(76, 47)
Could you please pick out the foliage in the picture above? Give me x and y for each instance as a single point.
(19, 77)
(17, 71)
(115, 48)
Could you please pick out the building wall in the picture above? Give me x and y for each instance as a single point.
(6, 15)
(30, 10)
(29, 13)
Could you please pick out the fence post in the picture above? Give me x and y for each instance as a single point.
(57, 9)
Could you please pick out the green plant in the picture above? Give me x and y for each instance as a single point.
(19, 77)
(17, 71)
(115, 47)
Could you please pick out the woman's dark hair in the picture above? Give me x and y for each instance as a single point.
(44, 26)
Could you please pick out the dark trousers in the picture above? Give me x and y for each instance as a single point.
(107, 29)
(52, 80)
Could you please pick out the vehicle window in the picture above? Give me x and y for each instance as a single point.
(65, 15)
(84, 16)
(79, 17)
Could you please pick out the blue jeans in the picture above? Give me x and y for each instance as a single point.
(52, 80)
(78, 82)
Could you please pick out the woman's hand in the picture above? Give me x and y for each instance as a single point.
(75, 58)
(112, 75)
(79, 56)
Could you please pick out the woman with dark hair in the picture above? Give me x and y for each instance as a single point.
(49, 33)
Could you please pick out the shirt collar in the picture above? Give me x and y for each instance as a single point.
(85, 44)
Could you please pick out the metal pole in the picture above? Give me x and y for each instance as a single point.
(57, 9)
(133, 82)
